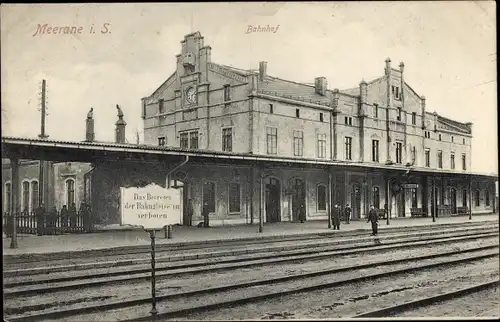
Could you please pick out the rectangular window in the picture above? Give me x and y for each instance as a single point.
(376, 197)
(321, 197)
(397, 92)
(209, 196)
(8, 197)
(375, 107)
(321, 145)
(452, 161)
(161, 141)
(227, 140)
(413, 118)
(227, 92)
(427, 158)
(464, 163)
(439, 137)
(487, 198)
(272, 140)
(414, 203)
(463, 140)
(321, 117)
(440, 159)
(348, 148)
(193, 138)
(399, 152)
(375, 150)
(184, 140)
(413, 154)
(161, 106)
(452, 139)
(298, 143)
(271, 108)
(398, 117)
(477, 198)
(464, 198)
(34, 195)
(348, 120)
(234, 197)
(297, 112)
(26, 197)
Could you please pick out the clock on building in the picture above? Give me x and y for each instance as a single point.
(191, 95)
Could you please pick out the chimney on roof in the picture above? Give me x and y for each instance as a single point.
(469, 126)
(89, 126)
(262, 70)
(120, 127)
(423, 111)
(387, 66)
(320, 85)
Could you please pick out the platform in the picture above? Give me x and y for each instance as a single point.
(31, 244)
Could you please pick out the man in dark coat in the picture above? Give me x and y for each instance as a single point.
(189, 212)
(52, 219)
(204, 212)
(302, 213)
(72, 215)
(336, 217)
(347, 214)
(373, 218)
(40, 219)
(64, 216)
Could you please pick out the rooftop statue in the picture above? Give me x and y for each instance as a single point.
(90, 114)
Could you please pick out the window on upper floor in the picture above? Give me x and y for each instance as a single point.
(227, 92)
(348, 120)
(227, 140)
(452, 139)
(161, 106)
(271, 109)
(439, 137)
(399, 152)
(452, 161)
(189, 140)
(321, 117)
(348, 148)
(464, 163)
(399, 116)
(463, 141)
(193, 140)
(414, 118)
(375, 144)
(440, 159)
(396, 92)
(184, 140)
(321, 145)
(161, 141)
(427, 134)
(413, 154)
(427, 157)
(298, 143)
(375, 109)
(297, 112)
(272, 140)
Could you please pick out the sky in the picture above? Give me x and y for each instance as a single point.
(448, 48)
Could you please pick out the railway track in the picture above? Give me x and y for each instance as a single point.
(264, 288)
(56, 284)
(429, 300)
(135, 255)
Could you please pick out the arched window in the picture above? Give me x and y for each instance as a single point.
(477, 198)
(8, 197)
(70, 192)
(34, 195)
(376, 197)
(25, 202)
(321, 197)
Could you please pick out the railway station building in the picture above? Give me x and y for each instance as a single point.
(295, 148)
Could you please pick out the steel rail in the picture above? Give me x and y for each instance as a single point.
(293, 256)
(146, 300)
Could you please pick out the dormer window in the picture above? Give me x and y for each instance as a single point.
(396, 92)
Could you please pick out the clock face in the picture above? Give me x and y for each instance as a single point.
(191, 95)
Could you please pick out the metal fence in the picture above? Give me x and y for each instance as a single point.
(49, 223)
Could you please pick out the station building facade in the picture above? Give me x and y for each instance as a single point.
(209, 106)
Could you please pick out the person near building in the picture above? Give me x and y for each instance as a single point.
(72, 215)
(336, 217)
(373, 218)
(347, 214)
(189, 212)
(205, 212)
(302, 213)
(40, 219)
(64, 216)
(52, 222)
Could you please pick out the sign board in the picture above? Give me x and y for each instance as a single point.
(411, 186)
(152, 207)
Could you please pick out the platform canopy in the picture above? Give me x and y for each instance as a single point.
(94, 152)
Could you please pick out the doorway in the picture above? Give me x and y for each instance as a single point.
(273, 197)
(356, 201)
(453, 201)
(298, 198)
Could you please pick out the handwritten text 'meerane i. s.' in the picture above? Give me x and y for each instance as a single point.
(46, 29)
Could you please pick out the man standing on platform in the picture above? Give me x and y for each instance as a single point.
(205, 211)
(347, 213)
(72, 215)
(373, 218)
(40, 214)
(64, 216)
(336, 217)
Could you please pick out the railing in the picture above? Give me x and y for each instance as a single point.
(462, 211)
(48, 223)
(443, 210)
